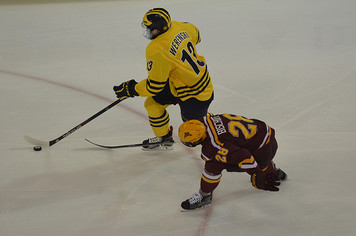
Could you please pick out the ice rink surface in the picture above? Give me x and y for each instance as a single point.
(291, 63)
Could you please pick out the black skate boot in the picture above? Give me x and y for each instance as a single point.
(196, 201)
(281, 175)
(159, 143)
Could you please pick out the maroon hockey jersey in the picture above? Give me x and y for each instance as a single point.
(236, 140)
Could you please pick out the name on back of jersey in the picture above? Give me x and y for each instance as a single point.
(178, 39)
(218, 125)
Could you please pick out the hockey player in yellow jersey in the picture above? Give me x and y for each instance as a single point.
(177, 74)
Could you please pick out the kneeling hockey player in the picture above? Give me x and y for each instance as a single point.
(236, 144)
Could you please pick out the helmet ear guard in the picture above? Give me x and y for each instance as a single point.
(156, 18)
(192, 133)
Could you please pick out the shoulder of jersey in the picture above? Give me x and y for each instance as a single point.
(165, 39)
(186, 26)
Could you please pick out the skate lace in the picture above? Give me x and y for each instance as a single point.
(197, 197)
(155, 140)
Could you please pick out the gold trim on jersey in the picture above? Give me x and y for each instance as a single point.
(212, 133)
(267, 137)
(211, 178)
(248, 163)
(197, 88)
(205, 158)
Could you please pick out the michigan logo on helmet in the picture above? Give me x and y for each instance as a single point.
(156, 18)
(192, 132)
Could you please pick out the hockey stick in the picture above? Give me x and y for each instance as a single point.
(54, 141)
(121, 146)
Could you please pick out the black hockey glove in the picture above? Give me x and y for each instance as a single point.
(126, 89)
(265, 181)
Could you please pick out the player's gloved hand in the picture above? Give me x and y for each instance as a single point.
(265, 181)
(126, 89)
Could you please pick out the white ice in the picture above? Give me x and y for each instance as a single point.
(290, 63)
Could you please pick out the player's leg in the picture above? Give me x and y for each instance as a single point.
(194, 109)
(159, 121)
(210, 179)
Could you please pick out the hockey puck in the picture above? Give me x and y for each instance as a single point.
(37, 148)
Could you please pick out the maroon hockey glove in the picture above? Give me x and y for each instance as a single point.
(265, 181)
(126, 89)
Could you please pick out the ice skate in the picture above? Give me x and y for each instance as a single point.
(159, 143)
(197, 201)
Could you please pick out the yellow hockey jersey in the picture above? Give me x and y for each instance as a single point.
(173, 56)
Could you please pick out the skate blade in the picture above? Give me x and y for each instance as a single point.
(158, 149)
(196, 209)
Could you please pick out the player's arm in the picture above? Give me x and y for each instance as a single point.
(158, 68)
(240, 159)
(236, 157)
